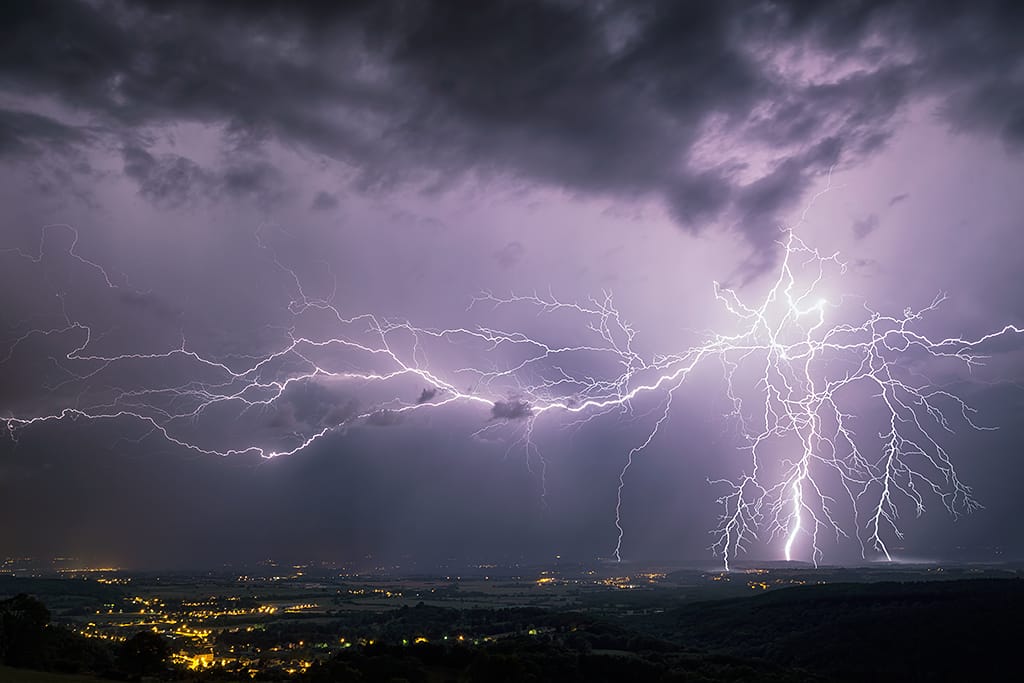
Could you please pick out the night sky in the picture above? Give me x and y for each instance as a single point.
(223, 178)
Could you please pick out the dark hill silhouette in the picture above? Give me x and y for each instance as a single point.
(937, 630)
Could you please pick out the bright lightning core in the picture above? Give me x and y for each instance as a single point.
(790, 375)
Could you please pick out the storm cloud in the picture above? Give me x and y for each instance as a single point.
(513, 409)
(726, 112)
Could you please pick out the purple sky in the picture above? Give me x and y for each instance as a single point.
(408, 156)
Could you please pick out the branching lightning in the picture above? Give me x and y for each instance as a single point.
(806, 470)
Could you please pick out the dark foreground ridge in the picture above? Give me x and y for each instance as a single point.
(886, 631)
(925, 631)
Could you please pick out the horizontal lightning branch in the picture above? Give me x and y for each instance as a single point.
(784, 358)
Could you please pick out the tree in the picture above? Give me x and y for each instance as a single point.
(143, 654)
(23, 621)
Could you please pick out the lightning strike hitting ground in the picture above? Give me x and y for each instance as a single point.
(807, 470)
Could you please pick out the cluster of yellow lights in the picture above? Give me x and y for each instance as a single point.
(300, 668)
(763, 585)
(205, 603)
(375, 592)
(185, 622)
(100, 636)
(189, 630)
(301, 608)
(186, 632)
(621, 582)
(194, 662)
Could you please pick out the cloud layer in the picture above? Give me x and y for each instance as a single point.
(725, 112)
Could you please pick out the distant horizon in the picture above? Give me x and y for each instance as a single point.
(482, 567)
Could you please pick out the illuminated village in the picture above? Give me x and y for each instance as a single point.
(281, 620)
(278, 621)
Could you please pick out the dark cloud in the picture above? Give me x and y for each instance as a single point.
(426, 395)
(761, 201)
(324, 201)
(513, 409)
(695, 198)
(865, 226)
(253, 180)
(24, 133)
(896, 199)
(510, 254)
(51, 153)
(308, 406)
(607, 98)
(170, 180)
(167, 181)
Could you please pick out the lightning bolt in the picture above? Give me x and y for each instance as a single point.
(801, 372)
